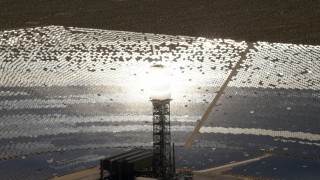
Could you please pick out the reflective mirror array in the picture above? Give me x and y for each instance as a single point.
(67, 88)
(45, 166)
(65, 83)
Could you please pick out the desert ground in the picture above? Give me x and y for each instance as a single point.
(285, 21)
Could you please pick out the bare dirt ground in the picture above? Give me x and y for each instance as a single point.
(291, 21)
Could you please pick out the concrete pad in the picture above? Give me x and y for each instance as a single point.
(88, 174)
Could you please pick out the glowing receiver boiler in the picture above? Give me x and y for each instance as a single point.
(159, 82)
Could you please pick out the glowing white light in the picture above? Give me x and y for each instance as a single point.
(159, 83)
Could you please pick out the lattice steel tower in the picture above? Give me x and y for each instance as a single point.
(163, 167)
(160, 94)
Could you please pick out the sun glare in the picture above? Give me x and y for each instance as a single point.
(159, 82)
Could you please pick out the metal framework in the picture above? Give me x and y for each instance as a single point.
(162, 162)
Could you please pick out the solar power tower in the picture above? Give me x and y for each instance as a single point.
(160, 94)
